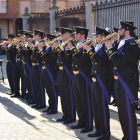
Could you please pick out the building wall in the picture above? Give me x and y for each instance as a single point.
(4, 26)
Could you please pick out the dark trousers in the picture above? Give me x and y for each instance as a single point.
(28, 79)
(19, 74)
(126, 113)
(100, 109)
(82, 101)
(38, 86)
(51, 90)
(66, 95)
(10, 69)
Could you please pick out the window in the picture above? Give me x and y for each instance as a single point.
(3, 6)
(1, 33)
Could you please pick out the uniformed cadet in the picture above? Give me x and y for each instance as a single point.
(19, 74)
(115, 44)
(49, 73)
(38, 99)
(81, 83)
(64, 79)
(101, 86)
(125, 75)
(27, 64)
(10, 62)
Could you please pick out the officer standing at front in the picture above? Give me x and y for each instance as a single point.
(125, 75)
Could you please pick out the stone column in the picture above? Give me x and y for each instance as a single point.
(53, 9)
(89, 16)
(25, 18)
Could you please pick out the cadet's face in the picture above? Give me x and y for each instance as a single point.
(36, 37)
(78, 36)
(26, 38)
(57, 32)
(9, 39)
(98, 36)
(48, 40)
(121, 33)
(21, 36)
(63, 37)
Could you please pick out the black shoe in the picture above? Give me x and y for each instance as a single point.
(47, 110)
(14, 95)
(28, 100)
(86, 130)
(21, 96)
(138, 124)
(113, 102)
(77, 126)
(68, 121)
(64, 118)
(40, 107)
(51, 112)
(103, 138)
(26, 97)
(96, 134)
(138, 108)
(31, 102)
(34, 106)
(9, 92)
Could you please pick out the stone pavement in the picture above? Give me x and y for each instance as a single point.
(18, 121)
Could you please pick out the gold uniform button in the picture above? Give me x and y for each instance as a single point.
(61, 62)
(95, 63)
(90, 53)
(72, 65)
(75, 65)
(92, 62)
(110, 52)
(95, 71)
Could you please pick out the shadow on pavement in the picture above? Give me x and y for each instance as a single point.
(18, 110)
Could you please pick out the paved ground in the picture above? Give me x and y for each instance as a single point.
(18, 121)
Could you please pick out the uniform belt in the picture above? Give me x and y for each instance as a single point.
(116, 77)
(94, 79)
(7, 60)
(43, 67)
(33, 64)
(76, 72)
(18, 59)
(61, 68)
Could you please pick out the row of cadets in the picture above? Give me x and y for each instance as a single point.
(64, 78)
(81, 66)
(10, 62)
(49, 73)
(101, 86)
(38, 99)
